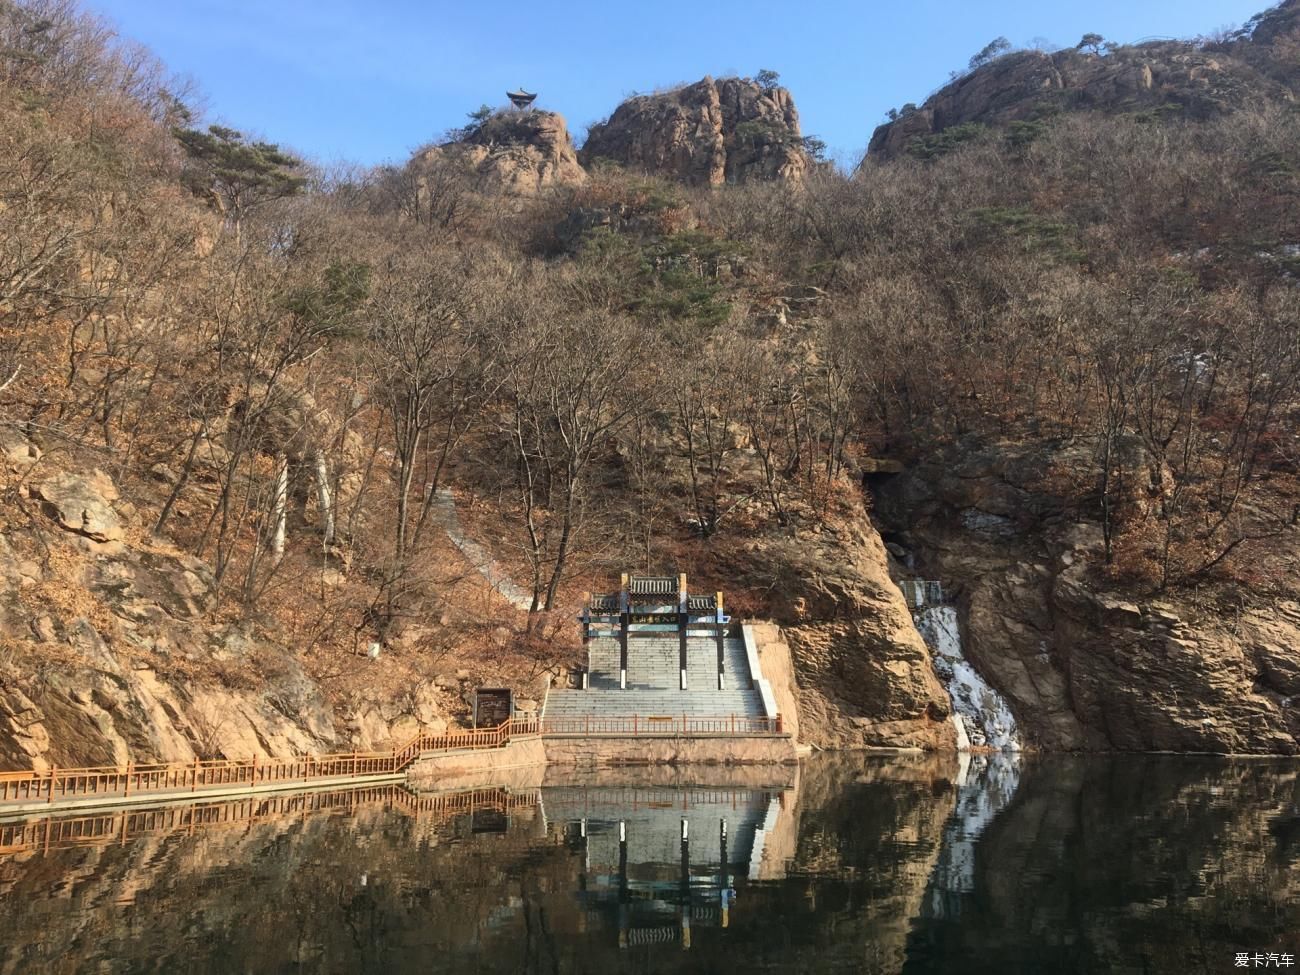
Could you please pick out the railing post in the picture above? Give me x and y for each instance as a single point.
(624, 624)
(126, 789)
(683, 619)
(54, 770)
(720, 635)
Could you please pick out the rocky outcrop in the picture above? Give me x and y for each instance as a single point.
(1029, 85)
(708, 133)
(1276, 27)
(511, 153)
(109, 653)
(1084, 667)
(83, 504)
(865, 676)
(18, 453)
(120, 666)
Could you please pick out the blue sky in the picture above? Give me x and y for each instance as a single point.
(344, 80)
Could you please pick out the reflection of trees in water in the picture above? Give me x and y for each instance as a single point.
(366, 919)
(540, 951)
(282, 894)
(1129, 864)
(1092, 866)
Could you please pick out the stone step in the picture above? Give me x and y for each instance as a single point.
(654, 693)
(653, 681)
(632, 700)
(656, 662)
(627, 702)
(622, 700)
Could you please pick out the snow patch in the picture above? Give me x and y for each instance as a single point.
(987, 523)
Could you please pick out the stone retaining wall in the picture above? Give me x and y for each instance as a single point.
(433, 770)
(774, 749)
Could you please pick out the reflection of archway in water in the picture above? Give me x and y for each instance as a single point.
(659, 863)
(985, 786)
(114, 826)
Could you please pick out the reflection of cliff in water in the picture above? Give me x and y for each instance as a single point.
(373, 881)
(1128, 864)
(350, 880)
(853, 864)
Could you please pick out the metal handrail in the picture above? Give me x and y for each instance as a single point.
(56, 783)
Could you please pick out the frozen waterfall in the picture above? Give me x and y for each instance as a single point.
(980, 713)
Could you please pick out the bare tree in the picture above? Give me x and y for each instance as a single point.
(706, 416)
(431, 368)
(566, 397)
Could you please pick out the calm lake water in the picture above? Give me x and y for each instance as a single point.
(848, 864)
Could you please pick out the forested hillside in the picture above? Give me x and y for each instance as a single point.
(236, 389)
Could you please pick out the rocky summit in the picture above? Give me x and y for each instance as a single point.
(512, 152)
(1176, 78)
(705, 134)
(708, 133)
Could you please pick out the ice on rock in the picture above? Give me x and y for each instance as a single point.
(981, 716)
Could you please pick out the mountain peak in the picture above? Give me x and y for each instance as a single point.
(513, 152)
(1195, 78)
(706, 133)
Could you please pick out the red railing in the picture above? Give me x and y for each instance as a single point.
(662, 725)
(53, 785)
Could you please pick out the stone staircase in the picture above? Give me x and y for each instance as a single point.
(653, 680)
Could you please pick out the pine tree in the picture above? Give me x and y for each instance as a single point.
(238, 175)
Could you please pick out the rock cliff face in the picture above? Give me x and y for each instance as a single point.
(865, 675)
(1277, 27)
(1181, 76)
(513, 153)
(1084, 668)
(109, 652)
(708, 133)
